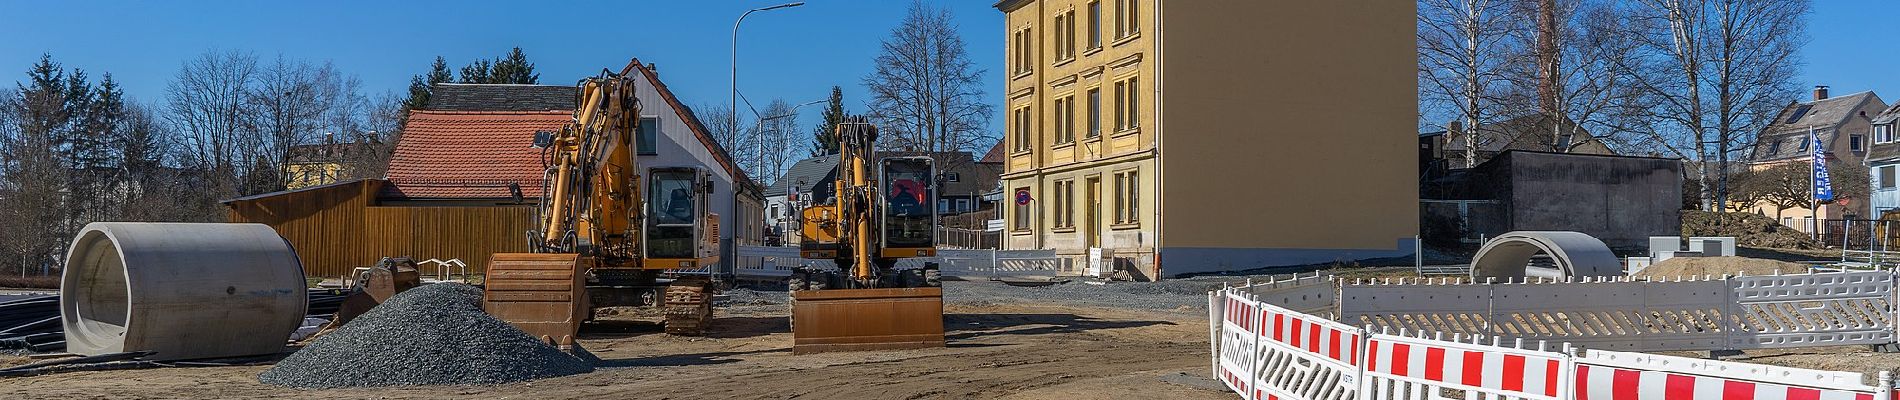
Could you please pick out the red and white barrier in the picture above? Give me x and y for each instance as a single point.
(1398, 367)
(1609, 375)
(1266, 352)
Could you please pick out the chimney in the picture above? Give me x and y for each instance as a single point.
(1820, 92)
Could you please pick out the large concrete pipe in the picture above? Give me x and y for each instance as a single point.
(1574, 253)
(182, 291)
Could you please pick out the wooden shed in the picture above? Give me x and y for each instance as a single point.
(337, 227)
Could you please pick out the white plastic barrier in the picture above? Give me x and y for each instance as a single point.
(1610, 375)
(1264, 351)
(1400, 367)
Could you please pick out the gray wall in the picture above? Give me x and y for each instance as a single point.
(1621, 200)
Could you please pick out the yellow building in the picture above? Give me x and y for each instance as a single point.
(1210, 135)
(320, 164)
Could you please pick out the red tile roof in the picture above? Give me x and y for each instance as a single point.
(470, 154)
(994, 156)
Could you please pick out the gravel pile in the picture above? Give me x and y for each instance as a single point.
(435, 334)
(1170, 294)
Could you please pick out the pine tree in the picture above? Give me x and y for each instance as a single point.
(824, 141)
(477, 72)
(422, 86)
(514, 68)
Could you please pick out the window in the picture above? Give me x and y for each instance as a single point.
(1024, 51)
(1127, 197)
(1095, 112)
(1853, 142)
(1022, 129)
(1886, 177)
(649, 136)
(1095, 24)
(951, 177)
(1127, 105)
(1127, 14)
(963, 205)
(943, 206)
(1883, 133)
(1064, 204)
(1774, 147)
(1065, 119)
(1065, 36)
(1020, 220)
(1804, 143)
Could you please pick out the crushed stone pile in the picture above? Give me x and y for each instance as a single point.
(1749, 230)
(436, 334)
(744, 296)
(1718, 266)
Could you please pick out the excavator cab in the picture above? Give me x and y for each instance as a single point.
(680, 234)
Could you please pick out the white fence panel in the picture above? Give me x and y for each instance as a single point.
(1820, 309)
(1304, 356)
(1638, 376)
(770, 262)
(1409, 368)
(1310, 294)
(1237, 341)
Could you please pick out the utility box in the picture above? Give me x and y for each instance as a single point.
(1101, 262)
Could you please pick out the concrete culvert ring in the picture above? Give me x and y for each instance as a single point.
(182, 291)
(1574, 254)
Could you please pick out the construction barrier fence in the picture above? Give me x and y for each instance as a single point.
(1263, 351)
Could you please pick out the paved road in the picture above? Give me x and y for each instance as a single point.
(10, 295)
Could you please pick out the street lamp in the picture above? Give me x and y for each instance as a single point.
(735, 56)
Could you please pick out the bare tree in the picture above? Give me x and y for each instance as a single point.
(207, 103)
(1463, 49)
(779, 140)
(925, 91)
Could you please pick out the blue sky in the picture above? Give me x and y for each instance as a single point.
(796, 54)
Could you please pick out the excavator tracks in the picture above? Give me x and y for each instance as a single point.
(688, 307)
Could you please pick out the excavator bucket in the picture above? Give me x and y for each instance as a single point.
(543, 294)
(866, 319)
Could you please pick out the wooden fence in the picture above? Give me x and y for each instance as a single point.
(335, 228)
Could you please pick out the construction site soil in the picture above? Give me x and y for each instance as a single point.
(1004, 342)
(1719, 266)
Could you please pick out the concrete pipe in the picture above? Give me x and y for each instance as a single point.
(1574, 253)
(182, 291)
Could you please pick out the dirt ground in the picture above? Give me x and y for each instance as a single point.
(995, 351)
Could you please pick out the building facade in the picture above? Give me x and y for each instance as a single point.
(1844, 125)
(1175, 135)
(1883, 159)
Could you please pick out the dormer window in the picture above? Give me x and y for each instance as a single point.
(1774, 147)
(1883, 133)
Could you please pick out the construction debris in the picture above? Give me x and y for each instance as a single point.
(1749, 230)
(435, 334)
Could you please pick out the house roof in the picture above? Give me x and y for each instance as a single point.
(803, 175)
(500, 97)
(995, 155)
(1523, 133)
(323, 153)
(470, 154)
(1784, 138)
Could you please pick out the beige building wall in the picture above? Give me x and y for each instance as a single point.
(1264, 133)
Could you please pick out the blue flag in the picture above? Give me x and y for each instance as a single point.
(1823, 189)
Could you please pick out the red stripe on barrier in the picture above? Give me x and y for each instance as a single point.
(1435, 364)
(1279, 324)
(1864, 396)
(1299, 327)
(1803, 394)
(1332, 349)
(1312, 337)
(1355, 349)
(1583, 383)
(1623, 384)
(1474, 369)
(1263, 320)
(1678, 386)
(1372, 356)
(1550, 378)
(1737, 390)
(1513, 373)
(1401, 359)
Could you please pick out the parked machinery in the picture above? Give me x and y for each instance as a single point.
(876, 219)
(601, 241)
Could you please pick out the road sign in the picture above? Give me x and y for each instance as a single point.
(1022, 197)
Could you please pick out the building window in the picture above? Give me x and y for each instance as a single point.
(1095, 24)
(1020, 221)
(1853, 142)
(1127, 197)
(1024, 51)
(963, 205)
(1127, 104)
(649, 136)
(1065, 119)
(1023, 127)
(1886, 177)
(1064, 204)
(1065, 36)
(1883, 133)
(1095, 112)
(951, 177)
(943, 206)
(1774, 147)
(1804, 143)
(1127, 13)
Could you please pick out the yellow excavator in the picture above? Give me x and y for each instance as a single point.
(875, 219)
(600, 241)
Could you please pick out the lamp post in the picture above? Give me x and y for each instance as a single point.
(735, 56)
